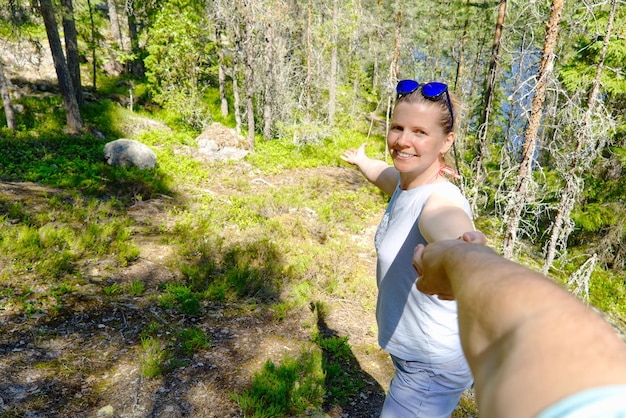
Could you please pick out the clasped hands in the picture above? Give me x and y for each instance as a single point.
(430, 263)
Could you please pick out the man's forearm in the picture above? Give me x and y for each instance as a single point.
(523, 334)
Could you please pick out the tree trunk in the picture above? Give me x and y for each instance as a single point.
(6, 99)
(394, 67)
(459, 65)
(236, 98)
(309, 58)
(571, 191)
(249, 79)
(355, 51)
(94, 62)
(221, 73)
(487, 106)
(561, 227)
(518, 199)
(71, 49)
(268, 118)
(136, 66)
(238, 47)
(115, 23)
(515, 88)
(465, 122)
(74, 121)
(332, 88)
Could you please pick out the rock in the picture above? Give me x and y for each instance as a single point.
(106, 411)
(127, 152)
(221, 143)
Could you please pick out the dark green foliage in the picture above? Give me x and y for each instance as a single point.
(52, 158)
(180, 296)
(341, 369)
(576, 73)
(193, 340)
(284, 390)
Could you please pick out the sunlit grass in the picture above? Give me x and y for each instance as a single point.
(287, 389)
(264, 235)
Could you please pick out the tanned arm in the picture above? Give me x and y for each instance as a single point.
(529, 342)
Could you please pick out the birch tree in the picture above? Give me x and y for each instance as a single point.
(518, 197)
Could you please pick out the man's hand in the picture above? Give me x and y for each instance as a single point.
(429, 264)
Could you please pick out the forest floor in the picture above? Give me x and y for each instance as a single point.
(83, 361)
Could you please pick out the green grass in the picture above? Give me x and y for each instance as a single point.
(324, 372)
(287, 389)
(153, 357)
(193, 340)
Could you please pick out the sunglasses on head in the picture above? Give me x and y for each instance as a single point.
(431, 91)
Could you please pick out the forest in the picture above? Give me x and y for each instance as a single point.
(540, 145)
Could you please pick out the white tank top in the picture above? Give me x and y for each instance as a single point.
(411, 325)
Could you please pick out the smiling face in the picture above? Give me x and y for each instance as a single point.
(417, 142)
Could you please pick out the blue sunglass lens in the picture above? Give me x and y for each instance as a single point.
(406, 86)
(430, 90)
(433, 90)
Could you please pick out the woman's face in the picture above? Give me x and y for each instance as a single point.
(416, 140)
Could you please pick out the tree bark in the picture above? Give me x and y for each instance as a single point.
(136, 66)
(394, 68)
(115, 23)
(235, 77)
(221, 73)
(332, 88)
(460, 61)
(236, 98)
(571, 192)
(268, 118)
(249, 79)
(74, 121)
(71, 49)
(487, 106)
(94, 58)
(6, 99)
(309, 58)
(519, 197)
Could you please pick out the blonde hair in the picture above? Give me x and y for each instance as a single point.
(446, 118)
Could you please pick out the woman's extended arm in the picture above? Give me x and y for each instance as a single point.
(529, 343)
(377, 172)
(443, 218)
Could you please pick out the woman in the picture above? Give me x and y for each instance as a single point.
(419, 331)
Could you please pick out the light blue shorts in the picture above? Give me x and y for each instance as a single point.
(602, 402)
(426, 390)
